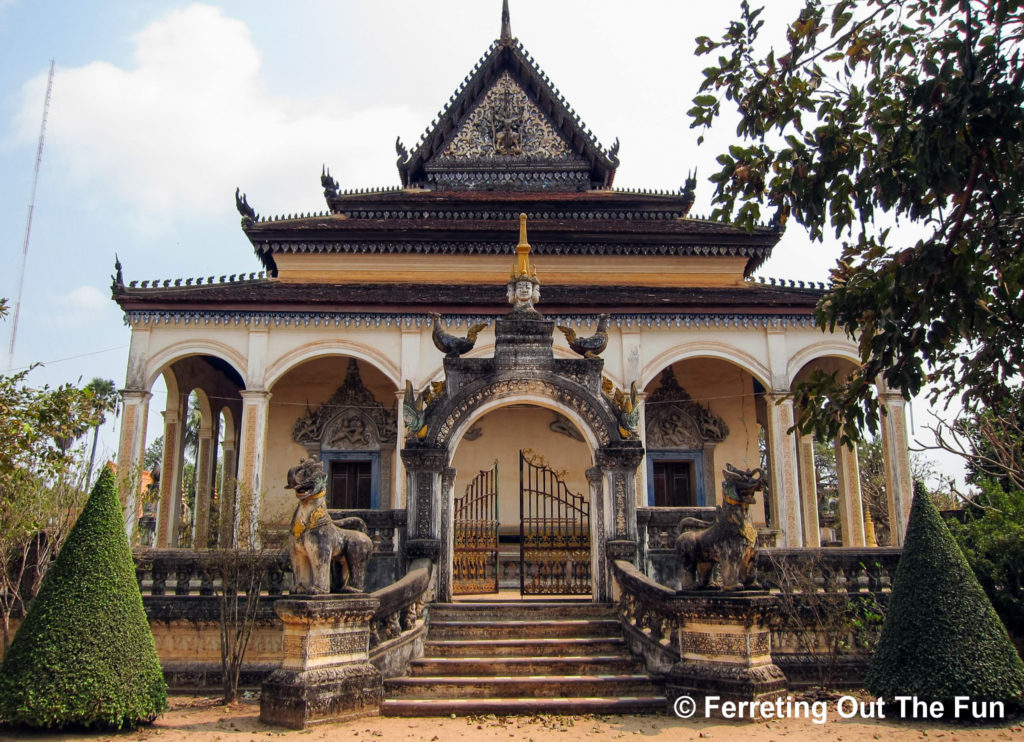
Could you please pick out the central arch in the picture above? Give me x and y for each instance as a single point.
(571, 388)
(518, 511)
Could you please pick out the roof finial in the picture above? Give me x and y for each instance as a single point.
(506, 24)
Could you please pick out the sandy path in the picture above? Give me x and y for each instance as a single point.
(204, 720)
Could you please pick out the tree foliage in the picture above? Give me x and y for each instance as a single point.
(991, 536)
(41, 482)
(883, 111)
(84, 655)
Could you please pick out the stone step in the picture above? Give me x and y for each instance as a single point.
(530, 628)
(616, 664)
(526, 686)
(654, 704)
(529, 647)
(519, 610)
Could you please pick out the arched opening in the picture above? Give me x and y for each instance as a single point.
(521, 504)
(187, 452)
(700, 413)
(844, 501)
(339, 410)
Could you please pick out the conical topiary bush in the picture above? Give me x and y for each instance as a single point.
(942, 638)
(84, 655)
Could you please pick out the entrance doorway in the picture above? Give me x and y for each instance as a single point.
(548, 554)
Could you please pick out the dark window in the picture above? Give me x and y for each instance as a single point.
(673, 484)
(350, 485)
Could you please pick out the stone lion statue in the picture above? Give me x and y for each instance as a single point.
(315, 541)
(728, 545)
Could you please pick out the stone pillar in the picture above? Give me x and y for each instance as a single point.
(899, 486)
(326, 675)
(809, 492)
(424, 468)
(785, 489)
(249, 482)
(446, 546)
(724, 644)
(204, 478)
(131, 452)
(226, 517)
(169, 508)
(599, 573)
(618, 466)
(851, 506)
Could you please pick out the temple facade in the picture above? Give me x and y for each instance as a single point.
(507, 365)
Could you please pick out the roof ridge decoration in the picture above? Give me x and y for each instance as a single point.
(507, 127)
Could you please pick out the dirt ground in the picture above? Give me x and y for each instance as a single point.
(205, 720)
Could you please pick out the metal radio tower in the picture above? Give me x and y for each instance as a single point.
(28, 223)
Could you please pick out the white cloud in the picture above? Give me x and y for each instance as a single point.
(173, 135)
(82, 307)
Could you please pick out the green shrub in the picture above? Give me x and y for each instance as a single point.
(84, 655)
(941, 637)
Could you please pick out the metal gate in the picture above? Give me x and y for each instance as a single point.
(475, 522)
(554, 534)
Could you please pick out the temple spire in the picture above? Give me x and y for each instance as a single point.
(506, 24)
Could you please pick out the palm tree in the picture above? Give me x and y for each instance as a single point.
(106, 399)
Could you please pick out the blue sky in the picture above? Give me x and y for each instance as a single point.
(160, 109)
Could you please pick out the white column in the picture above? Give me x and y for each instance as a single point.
(641, 471)
(809, 492)
(251, 454)
(169, 507)
(785, 486)
(851, 506)
(398, 497)
(204, 478)
(131, 452)
(226, 518)
(899, 486)
(632, 368)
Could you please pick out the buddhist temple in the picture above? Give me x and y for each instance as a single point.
(503, 360)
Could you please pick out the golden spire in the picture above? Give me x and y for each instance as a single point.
(522, 267)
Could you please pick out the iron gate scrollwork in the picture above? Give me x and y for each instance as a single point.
(475, 521)
(554, 533)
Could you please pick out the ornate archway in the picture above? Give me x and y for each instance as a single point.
(523, 369)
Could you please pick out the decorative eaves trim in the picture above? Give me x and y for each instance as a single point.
(375, 320)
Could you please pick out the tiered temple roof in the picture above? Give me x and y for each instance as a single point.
(506, 143)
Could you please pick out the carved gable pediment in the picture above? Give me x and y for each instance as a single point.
(507, 127)
(506, 123)
(674, 420)
(352, 419)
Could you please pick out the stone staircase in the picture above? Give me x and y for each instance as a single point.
(554, 657)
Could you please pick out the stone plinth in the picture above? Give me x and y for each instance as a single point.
(523, 342)
(725, 649)
(325, 675)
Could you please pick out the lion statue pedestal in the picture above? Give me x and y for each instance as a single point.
(325, 675)
(724, 639)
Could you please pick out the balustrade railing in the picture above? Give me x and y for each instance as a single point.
(401, 606)
(842, 577)
(162, 572)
